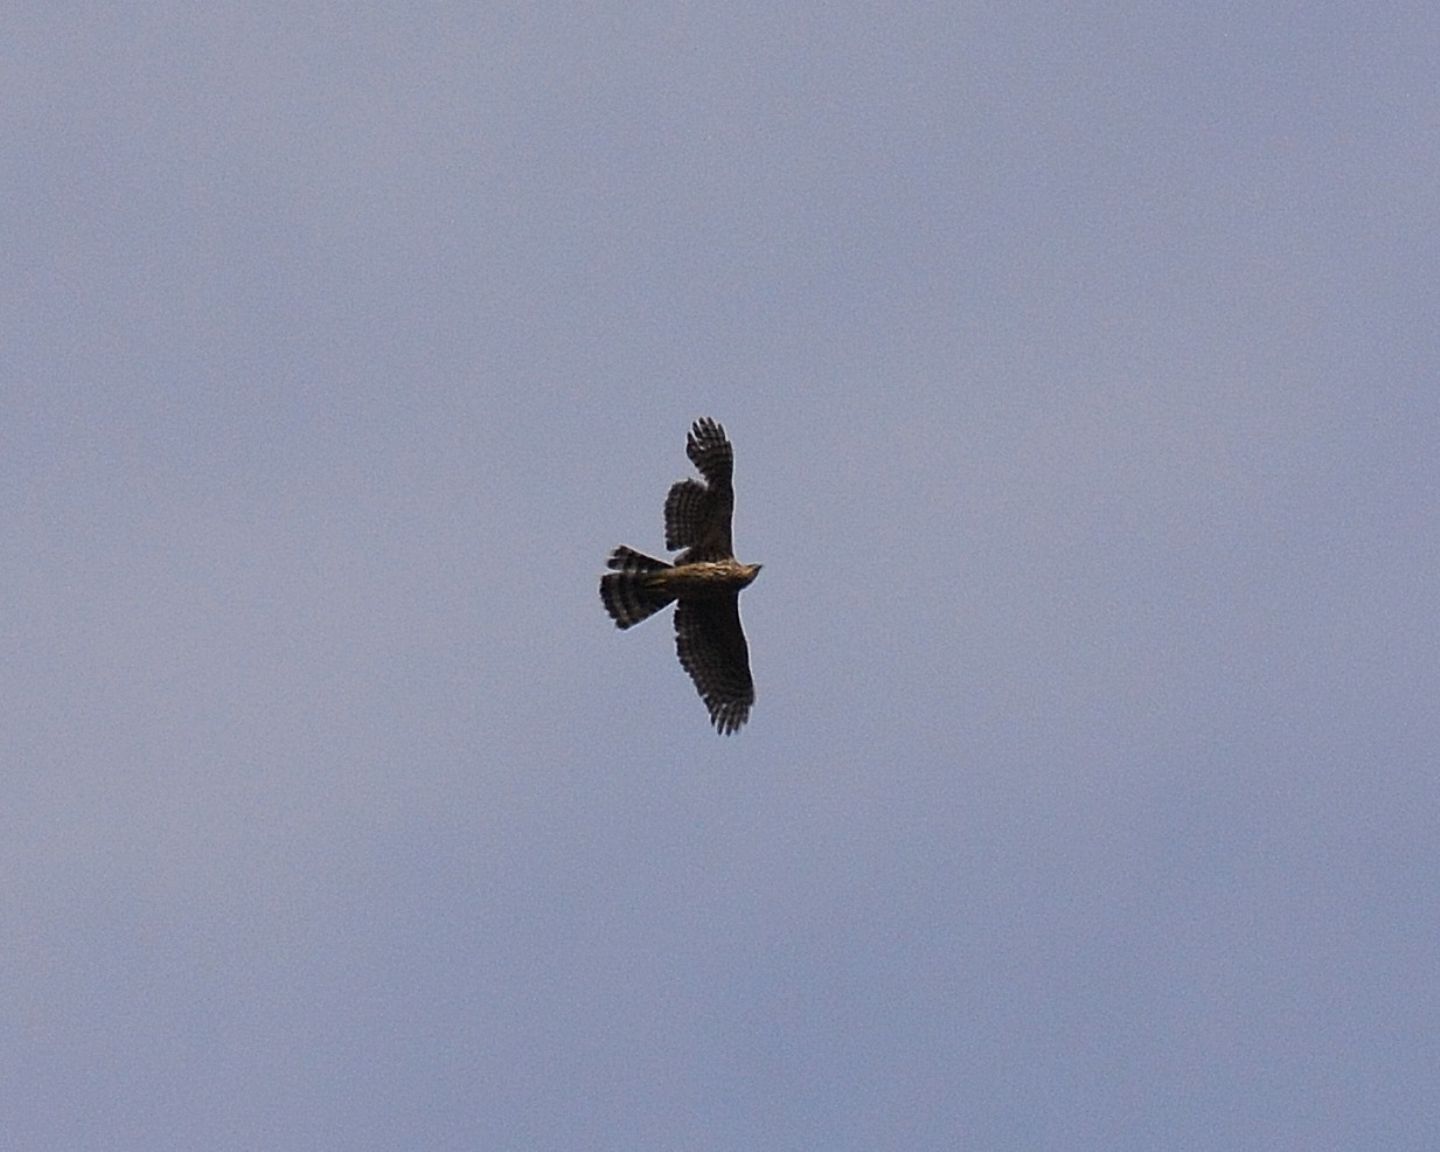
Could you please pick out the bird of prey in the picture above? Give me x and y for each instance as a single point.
(704, 581)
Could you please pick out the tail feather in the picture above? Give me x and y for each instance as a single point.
(629, 593)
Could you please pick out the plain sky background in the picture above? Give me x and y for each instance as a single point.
(1083, 367)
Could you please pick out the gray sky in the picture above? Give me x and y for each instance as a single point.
(1081, 363)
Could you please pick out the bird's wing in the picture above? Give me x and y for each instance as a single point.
(712, 648)
(698, 516)
(711, 452)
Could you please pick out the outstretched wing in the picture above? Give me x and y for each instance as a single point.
(712, 648)
(698, 516)
(689, 510)
(711, 453)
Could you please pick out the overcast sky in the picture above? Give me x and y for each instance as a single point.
(1082, 364)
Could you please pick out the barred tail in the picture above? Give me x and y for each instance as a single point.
(630, 592)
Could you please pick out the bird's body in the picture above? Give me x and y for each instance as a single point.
(705, 582)
(707, 579)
